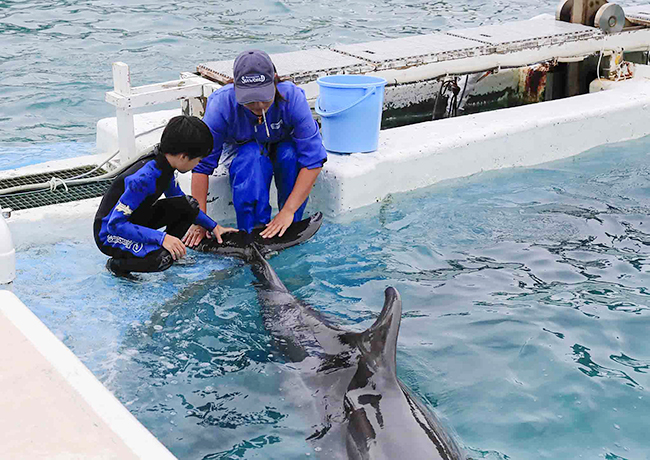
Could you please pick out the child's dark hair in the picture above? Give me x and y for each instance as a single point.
(188, 135)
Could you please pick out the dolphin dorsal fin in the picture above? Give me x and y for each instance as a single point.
(378, 344)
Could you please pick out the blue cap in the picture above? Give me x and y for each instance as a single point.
(254, 73)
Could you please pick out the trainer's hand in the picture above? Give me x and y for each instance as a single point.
(278, 225)
(194, 235)
(219, 230)
(175, 246)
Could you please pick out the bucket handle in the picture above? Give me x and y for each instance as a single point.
(320, 111)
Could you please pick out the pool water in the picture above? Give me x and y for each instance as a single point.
(526, 305)
(525, 291)
(56, 55)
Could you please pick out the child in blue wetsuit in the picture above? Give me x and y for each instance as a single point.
(268, 126)
(130, 213)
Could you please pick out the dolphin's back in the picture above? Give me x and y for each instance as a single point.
(368, 413)
(386, 421)
(299, 330)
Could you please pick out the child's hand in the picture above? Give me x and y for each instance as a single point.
(175, 246)
(219, 230)
(194, 236)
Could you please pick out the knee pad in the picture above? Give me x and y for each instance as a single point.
(194, 204)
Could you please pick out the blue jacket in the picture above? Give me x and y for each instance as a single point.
(135, 189)
(288, 119)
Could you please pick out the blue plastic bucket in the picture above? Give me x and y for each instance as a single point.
(350, 109)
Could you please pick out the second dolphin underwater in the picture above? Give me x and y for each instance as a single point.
(363, 410)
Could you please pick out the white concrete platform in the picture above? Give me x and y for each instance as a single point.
(52, 406)
(148, 129)
(423, 154)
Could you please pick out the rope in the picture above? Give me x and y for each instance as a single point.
(54, 182)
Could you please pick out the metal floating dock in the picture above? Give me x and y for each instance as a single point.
(542, 38)
(301, 66)
(638, 15)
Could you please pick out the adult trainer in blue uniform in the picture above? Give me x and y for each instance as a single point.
(268, 126)
(130, 213)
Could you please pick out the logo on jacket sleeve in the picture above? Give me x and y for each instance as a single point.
(129, 245)
(123, 208)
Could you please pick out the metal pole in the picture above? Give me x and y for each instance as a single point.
(578, 12)
(125, 125)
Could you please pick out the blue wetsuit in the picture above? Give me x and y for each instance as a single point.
(130, 213)
(294, 143)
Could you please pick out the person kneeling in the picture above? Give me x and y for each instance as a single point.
(130, 214)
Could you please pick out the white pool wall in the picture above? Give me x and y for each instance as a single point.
(420, 155)
(7, 255)
(423, 154)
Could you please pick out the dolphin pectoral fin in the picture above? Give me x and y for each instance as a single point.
(235, 244)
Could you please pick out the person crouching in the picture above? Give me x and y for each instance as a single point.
(131, 212)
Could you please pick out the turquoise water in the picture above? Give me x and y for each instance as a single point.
(525, 291)
(526, 306)
(56, 55)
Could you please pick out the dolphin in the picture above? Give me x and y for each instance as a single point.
(363, 410)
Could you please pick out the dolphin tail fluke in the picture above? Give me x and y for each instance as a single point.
(297, 233)
(237, 244)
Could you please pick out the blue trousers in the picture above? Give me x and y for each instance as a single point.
(250, 178)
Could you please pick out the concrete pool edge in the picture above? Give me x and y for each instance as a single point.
(43, 374)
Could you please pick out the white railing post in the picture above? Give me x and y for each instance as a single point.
(7, 252)
(190, 89)
(125, 126)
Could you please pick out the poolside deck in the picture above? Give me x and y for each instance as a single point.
(52, 406)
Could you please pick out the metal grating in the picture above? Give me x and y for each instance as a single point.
(414, 50)
(638, 15)
(40, 178)
(38, 198)
(299, 66)
(541, 32)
